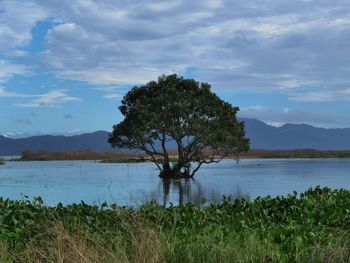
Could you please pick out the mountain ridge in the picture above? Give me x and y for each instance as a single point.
(262, 136)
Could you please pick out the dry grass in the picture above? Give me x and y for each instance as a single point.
(58, 245)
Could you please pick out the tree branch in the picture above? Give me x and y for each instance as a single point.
(155, 161)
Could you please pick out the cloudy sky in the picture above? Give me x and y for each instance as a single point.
(65, 64)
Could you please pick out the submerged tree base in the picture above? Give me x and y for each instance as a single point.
(174, 174)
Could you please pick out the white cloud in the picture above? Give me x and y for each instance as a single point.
(232, 44)
(17, 53)
(16, 22)
(275, 124)
(10, 134)
(293, 83)
(163, 6)
(256, 108)
(322, 96)
(260, 44)
(9, 94)
(17, 135)
(53, 98)
(108, 76)
(8, 70)
(113, 96)
(278, 117)
(111, 92)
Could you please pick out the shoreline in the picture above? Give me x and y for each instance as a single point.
(111, 161)
(121, 157)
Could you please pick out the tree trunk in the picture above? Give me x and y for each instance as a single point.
(166, 164)
(174, 173)
(177, 170)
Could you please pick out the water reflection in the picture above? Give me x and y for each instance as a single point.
(187, 190)
(183, 191)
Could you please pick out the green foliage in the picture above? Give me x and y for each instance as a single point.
(2, 161)
(203, 127)
(312, 227)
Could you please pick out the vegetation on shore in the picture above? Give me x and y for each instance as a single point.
(312, 227)
(2, 161)
(79, 155)
(133, 159)
(104, 157)
(118, 157)
(302, 153)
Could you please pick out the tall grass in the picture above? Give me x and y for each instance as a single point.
(313, 227)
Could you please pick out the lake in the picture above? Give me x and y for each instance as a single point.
(133, 184)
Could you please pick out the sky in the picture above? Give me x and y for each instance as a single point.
(65, 64)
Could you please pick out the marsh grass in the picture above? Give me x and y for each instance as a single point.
(149, 245)
(313, 227)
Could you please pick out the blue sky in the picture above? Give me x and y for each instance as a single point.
(65, 64)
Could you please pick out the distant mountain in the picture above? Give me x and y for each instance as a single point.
(96, 141)
(262, 136)
(295, 136)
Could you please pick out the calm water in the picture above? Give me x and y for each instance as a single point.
(134, 184)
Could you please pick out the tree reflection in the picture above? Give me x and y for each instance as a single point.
(181, 191)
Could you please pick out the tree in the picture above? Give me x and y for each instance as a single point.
(179, 113)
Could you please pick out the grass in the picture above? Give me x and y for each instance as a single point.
(312, 227)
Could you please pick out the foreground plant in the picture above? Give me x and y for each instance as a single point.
(311, 227)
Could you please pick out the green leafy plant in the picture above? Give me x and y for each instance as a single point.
(313, 226)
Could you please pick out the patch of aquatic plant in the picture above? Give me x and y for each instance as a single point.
(310, 227)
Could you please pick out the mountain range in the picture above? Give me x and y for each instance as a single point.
(262, 136)
(295, 136)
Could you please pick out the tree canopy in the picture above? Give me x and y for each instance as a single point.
(182, 114)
